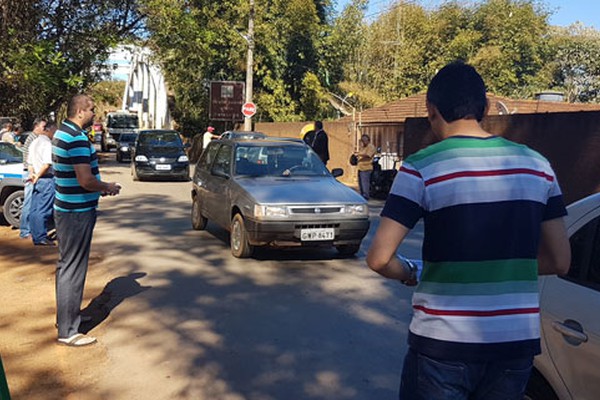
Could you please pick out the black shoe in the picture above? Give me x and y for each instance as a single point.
(45, 242)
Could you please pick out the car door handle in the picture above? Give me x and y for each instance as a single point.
(571, 332)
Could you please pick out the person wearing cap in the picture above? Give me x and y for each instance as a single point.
(208, 136)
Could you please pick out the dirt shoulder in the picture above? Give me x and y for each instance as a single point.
(36, 366)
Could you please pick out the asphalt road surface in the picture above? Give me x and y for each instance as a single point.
(181, 318)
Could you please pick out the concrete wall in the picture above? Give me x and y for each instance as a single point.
(341, 139)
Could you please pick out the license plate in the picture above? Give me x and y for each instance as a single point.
(316, 234)
(163, 167)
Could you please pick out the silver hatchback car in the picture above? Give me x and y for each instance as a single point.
(569, 366)
(271, 192)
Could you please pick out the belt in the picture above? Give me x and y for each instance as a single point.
(46, 176)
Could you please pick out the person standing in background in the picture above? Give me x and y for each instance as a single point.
(42, 179)
(7, 134)
(39, 126)
(208, 136)
(365, 165)
(78, 188)
(319, 142)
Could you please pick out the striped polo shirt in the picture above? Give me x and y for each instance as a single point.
(70, 147)
(482, 201)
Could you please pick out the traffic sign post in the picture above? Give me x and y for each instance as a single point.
(249, 109)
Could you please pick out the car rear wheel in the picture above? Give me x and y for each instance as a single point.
(240, 247)
(348, 249)
(198, 220)
(12, 208)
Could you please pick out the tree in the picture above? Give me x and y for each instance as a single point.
(576, 65)
(52, 50)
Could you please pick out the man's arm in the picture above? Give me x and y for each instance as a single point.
(36, 177)
(381, 257)
(88, 181)
(554, 253)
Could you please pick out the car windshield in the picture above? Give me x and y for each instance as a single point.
(123, 121)
(163, 139)
(283, 160)
(10, 154)
(128, 137)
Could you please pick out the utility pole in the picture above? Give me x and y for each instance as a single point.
(249, 64)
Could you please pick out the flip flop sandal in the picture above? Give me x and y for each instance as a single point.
(77, 340)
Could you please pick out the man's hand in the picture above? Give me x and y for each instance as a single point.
(112, 189)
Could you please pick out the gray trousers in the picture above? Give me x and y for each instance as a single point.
(74, 233)
(364, 183)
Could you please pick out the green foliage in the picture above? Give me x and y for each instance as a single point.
(52, 50)
(576, 66)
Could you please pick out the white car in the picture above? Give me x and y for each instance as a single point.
(11, 183)
(569, 366)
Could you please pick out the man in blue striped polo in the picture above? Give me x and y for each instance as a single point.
(493, 216)
(78, 188)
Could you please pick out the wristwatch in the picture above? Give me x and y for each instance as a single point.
(412, 268)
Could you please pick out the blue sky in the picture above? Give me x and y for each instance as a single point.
(566, 12)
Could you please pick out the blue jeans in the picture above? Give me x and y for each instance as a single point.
(24, 221)
(364, 183)
(42, 201)
(425, 378)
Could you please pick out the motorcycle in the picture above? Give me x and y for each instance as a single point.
(382, 179)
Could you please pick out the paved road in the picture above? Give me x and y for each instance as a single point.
(185, 319)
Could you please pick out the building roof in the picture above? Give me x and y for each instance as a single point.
(414, 106)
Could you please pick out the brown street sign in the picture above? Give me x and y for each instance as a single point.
(226, 100)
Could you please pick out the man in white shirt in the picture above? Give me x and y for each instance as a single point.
(42, 177)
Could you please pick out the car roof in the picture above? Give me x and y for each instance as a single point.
(267, 141)
(582, 211)
(157, 131)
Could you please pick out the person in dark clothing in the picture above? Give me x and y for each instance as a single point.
(319, 142)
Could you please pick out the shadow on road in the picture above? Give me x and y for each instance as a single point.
(111, 296)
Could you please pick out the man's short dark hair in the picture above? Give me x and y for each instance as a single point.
(318, 125)
(458, 92)
(38, 121)
(77, 102)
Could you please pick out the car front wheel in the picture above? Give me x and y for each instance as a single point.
(12, 208)
(198, 220)
(240, 247)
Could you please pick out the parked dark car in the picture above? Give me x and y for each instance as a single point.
(159, 154)
(271, 192)
(125, 146)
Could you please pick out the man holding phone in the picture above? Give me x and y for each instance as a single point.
(78, 188)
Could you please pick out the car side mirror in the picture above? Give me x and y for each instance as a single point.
(337, 172)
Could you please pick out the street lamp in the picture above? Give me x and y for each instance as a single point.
(344, 102)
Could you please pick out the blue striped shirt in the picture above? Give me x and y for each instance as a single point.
(70, 147)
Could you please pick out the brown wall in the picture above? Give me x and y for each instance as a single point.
(571, 141)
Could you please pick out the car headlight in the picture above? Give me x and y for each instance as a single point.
(270, 211)
(141, 158)
(124, 148)
(356, 209)
(183, 159)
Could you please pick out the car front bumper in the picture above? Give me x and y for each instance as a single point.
(287, 233)
(149, 170)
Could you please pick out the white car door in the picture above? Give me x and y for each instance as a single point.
(571, 315)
